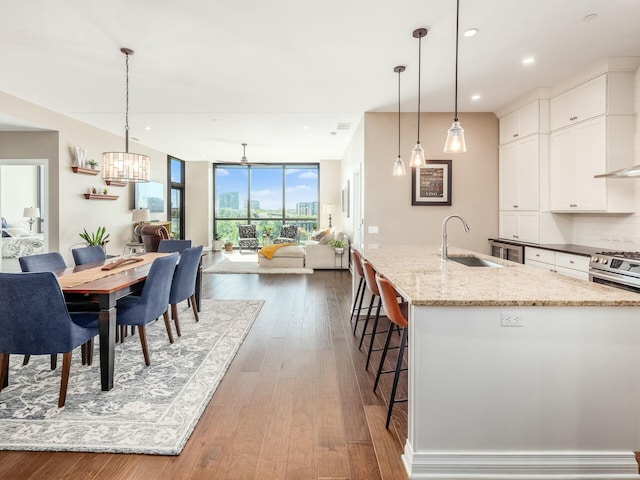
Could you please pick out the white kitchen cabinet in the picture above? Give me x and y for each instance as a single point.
(519, 124)
(521, 226)
(609, 93)
(580, 103)
(564, 263)
(580, 152)
(520, 174)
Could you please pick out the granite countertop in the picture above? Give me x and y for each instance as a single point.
(423, 279)
(556, 247)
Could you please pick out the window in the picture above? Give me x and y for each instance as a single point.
(266, 196)
(176, 196)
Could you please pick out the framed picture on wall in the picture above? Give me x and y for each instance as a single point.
(431, 184)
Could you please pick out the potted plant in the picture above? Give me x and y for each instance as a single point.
(338, 246)
(216, 246)
(228, 246)
(99, 237)
(92, 163)
(268, 230)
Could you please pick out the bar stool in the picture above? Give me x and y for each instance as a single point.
(357, 264)
(397, 313)
(370, 282)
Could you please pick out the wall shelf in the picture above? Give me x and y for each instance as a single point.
(95, 196)
(115, 184)
(86, 171)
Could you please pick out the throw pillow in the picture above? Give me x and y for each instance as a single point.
(17, 232)
(326, 239)
(318, 235)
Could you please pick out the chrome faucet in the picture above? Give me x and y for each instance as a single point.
(443, 249)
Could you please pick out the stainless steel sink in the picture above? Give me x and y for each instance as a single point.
(473, 261)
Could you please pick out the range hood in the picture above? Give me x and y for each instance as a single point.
(629, 172)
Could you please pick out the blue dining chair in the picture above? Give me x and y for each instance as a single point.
(170, 246)
(90, 254)
(43, 262)
(40, 324)
(183, 286)
(153, 301)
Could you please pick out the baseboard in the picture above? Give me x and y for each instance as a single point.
(520, 465)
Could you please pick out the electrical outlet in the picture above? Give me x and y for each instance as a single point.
(511, 320)
(373, 229)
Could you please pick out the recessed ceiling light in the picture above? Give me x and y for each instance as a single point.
(147, 127)
(471, 32)
(591, 16)
(528, 61)
(475, 97)
(306, 127)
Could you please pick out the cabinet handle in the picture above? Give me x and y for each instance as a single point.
(573, 205)
(515, 135)
(515, 206)
(516, 236)
(537, 254)
(571, 261)
(573, 118)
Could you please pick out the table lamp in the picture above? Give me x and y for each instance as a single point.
(138, 217)
(32, 213)
(328, 208)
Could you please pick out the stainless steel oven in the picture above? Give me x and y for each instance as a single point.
(616, 269)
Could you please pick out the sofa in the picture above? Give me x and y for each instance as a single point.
(320, 255)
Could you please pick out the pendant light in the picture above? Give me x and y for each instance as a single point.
(398, 166)
(455, 136)
(125, 166)
(417, 154)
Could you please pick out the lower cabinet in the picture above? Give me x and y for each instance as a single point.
(565, 263)
(521, 226)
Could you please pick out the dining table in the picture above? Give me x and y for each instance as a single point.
(104, 283)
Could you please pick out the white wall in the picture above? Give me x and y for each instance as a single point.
(18, 189)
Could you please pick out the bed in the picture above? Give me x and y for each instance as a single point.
(18, 242)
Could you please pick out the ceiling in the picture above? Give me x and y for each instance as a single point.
(283, 75)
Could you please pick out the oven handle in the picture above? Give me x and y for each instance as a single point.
(613, 278)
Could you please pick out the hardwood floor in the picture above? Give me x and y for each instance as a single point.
(296, 402)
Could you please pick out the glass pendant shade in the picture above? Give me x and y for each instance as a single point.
(455, 139)
(417, 156)
(398, 167)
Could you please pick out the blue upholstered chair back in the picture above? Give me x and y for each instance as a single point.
(170, 246)
(44, 262)
(34, 316)
(154, 299)
(184, 278)
(93, 253)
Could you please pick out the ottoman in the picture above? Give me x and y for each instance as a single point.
(290, 256)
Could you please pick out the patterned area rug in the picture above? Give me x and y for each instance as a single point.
(150, 410)
(248, 263)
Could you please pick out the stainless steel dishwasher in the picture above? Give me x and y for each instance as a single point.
(507, 251)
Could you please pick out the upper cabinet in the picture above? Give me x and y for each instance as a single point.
(609, 93)
(519, 174)
(519, 124)
(592, 133)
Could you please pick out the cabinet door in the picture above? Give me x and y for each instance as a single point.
(528, 227)
(509, 177)
(562, 184)
(528, 120)
(509, 128)
(580, 103)
(528, 152)
(590, 159)
(509, 225)
(590, 99)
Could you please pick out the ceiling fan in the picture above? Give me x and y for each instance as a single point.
(243, 161)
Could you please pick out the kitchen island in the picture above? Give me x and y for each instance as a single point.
(515, 372)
